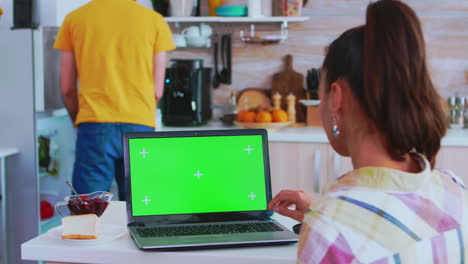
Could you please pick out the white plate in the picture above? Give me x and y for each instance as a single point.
(270, 126)
(107, 234)
(310, 102)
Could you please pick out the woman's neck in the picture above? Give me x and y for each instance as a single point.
(370, 151)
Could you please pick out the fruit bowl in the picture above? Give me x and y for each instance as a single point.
(269, 126)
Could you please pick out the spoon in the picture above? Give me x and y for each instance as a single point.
(74, 191)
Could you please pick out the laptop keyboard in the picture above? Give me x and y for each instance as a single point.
(192, 230)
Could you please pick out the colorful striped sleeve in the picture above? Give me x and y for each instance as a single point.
(320, 242)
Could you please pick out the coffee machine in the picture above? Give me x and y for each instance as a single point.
(187, 95)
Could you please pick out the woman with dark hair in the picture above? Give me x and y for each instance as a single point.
(379, 107)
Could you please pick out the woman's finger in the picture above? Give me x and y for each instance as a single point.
(294, 214)
(285, 195)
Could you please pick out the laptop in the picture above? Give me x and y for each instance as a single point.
(197, 189)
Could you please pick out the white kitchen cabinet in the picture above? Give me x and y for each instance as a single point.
(313, 166)
(337, 165)
(305, 166)
(298, 166)
(454, 159)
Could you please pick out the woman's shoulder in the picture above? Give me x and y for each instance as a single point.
(451, 176)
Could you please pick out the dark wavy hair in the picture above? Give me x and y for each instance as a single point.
(384, 62)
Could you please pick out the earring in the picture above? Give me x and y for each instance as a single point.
(336, 132)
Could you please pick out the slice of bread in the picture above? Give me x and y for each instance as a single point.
(80, 226)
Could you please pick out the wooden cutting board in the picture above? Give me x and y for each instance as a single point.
(288, 81)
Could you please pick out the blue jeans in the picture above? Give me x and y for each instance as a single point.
(99, 156)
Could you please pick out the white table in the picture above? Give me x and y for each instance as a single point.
(124, 250)
(4, 153)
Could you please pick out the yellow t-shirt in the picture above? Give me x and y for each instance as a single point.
(114, 42)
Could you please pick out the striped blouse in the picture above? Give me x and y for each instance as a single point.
(380, 215)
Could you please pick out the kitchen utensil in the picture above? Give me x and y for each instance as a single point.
(193, 31)
(229, 58)
(288, 81)
(231, 11)
(312, 82)
(179, 40)
(73, 190)
(217, 76)
(197, 36)
(205, 30)
(226, 58)
(197, 41)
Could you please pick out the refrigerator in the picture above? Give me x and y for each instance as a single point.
(35, 122)
(17, 130)
(55, 133)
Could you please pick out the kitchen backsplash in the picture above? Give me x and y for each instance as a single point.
(445, 30)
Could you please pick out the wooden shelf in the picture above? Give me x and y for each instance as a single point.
(281, 19)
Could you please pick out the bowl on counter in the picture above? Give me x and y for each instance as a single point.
(228, 119)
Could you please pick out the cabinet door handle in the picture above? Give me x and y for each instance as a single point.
(317, 171)
(336, 166)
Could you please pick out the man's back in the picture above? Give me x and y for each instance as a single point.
(114, 42)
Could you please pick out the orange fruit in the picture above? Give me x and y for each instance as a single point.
(263, 117)
(249, 117)
(280, 116)
(241, 115)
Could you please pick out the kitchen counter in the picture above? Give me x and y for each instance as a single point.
(453, 138)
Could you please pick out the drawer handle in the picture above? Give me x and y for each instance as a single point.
(336, 166)
(317, 171)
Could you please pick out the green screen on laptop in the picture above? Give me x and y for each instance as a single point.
(185, 175)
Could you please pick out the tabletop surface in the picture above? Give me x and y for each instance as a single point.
(124, 250)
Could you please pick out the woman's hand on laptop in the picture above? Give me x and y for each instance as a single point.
(291, 203)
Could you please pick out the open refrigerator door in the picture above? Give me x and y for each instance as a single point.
(56, 153)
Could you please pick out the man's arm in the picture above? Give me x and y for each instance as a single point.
(68, 83)
(159, 74)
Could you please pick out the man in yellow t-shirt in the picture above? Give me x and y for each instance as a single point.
(116, 50)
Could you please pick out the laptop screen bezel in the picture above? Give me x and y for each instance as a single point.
(197, 217)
